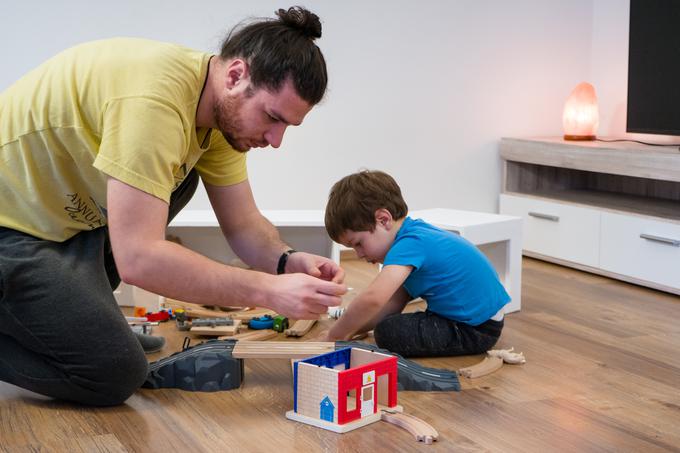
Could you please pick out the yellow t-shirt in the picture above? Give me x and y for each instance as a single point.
(121, 107)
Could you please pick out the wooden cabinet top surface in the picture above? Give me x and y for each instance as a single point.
(618, 158)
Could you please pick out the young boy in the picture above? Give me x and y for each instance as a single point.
(465, 299)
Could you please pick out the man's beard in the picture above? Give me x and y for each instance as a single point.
(226, 112)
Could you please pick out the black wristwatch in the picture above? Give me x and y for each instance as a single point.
(281, 268)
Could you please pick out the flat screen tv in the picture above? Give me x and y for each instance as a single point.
(654, 67)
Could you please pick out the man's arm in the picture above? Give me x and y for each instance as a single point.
(384, 296)
(137, 223)
(255, 240)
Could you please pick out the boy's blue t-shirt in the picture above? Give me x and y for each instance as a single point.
(450, 273)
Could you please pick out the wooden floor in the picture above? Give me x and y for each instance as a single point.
(602, 374)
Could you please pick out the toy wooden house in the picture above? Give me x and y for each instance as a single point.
(343, 390)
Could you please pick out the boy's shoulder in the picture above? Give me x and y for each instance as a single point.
(418, 231)
(418, 227)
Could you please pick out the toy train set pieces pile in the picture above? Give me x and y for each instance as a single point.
(199, 311)
(213, 366)
(492, 362)
(228, 325)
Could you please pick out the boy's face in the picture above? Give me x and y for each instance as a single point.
(371, 246)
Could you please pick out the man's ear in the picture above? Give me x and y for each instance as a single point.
(383, 217)
(238, 72)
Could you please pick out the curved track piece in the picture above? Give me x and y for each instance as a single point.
(486, 366)
(300, 328)
(421, 430)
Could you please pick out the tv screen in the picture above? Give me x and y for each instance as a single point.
(654, 67)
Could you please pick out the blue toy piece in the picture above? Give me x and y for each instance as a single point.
(263, 322)
(326, 410)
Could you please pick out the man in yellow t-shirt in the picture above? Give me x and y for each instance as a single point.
(100, 147)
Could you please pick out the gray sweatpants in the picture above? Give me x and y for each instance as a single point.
(61, 332)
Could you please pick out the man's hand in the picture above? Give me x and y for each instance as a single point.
(300, 296)
(316, 266)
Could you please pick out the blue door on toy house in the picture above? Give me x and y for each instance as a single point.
(326, 409)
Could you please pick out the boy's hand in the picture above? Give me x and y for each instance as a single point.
(316, 266)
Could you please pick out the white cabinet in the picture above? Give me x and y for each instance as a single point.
(612, 209)
(642, 248)
(566, 232)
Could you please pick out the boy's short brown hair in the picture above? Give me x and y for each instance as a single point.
(354, 199)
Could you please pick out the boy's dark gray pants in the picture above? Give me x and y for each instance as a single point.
(426, 334)
(61, 332)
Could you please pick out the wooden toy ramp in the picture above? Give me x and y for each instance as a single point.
(244, 349)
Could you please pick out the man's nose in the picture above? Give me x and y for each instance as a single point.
(274, 136)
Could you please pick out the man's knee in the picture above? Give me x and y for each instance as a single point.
(113, 381)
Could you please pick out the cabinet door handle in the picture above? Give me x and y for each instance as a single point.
(539, 215)
(663, 240)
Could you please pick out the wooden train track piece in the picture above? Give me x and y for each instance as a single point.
(492, 362)
(300, 328)
(252, 335)
(486, 366)
(421, 430)
(507, 355)
(217, 330)
(245, 349)
(195, 311)
(251, 313)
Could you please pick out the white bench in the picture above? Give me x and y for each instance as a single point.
(200, 231)
(301, 229)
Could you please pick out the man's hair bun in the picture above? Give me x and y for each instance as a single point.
(301, 19)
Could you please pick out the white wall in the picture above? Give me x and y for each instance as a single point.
(423, 90)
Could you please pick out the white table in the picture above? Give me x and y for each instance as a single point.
(499, 237)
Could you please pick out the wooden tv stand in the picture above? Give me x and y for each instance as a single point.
(608, 208)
